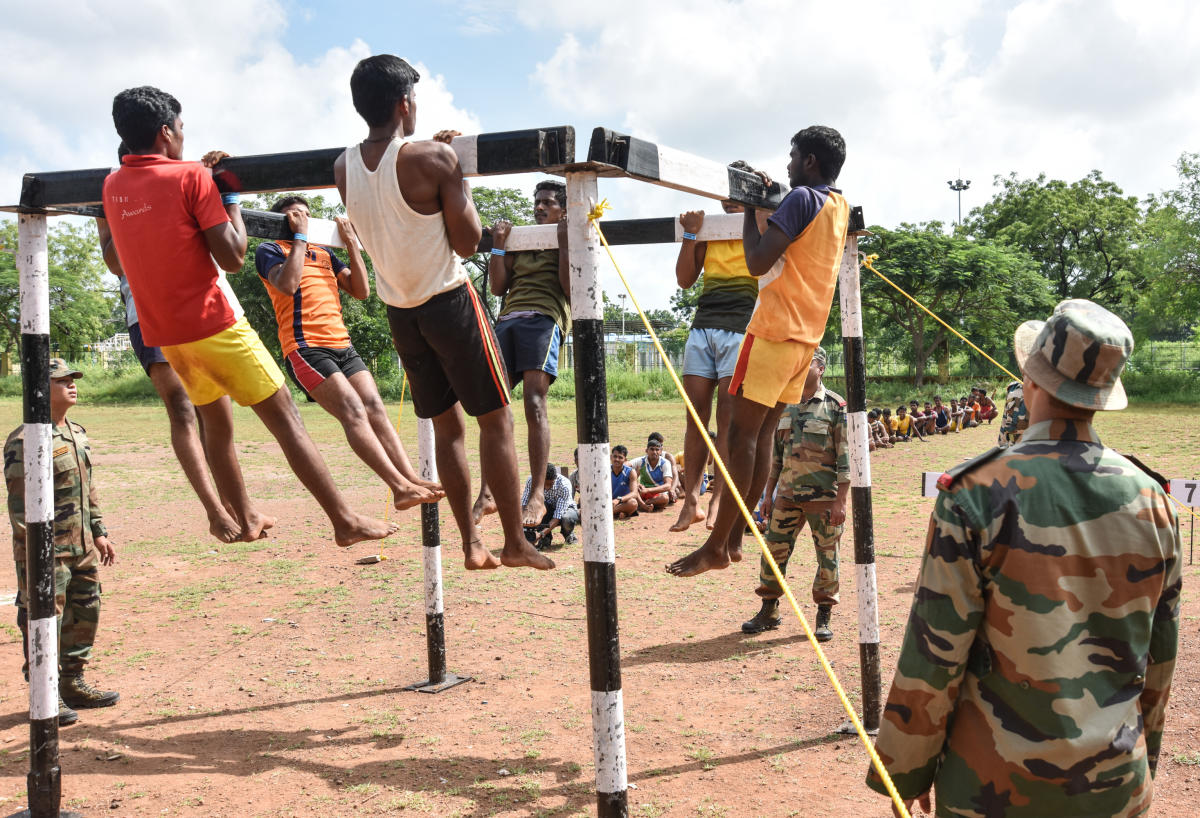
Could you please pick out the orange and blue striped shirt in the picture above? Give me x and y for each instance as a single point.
(312, 316)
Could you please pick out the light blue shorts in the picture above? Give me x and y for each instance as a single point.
(711, 353)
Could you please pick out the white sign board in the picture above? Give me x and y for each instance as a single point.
(929, 483)
(1186, 491)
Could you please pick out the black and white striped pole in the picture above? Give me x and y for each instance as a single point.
(595, 500)
(435, 626)
(860, 487)
(44, 784)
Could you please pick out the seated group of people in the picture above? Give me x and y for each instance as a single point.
(650, 482)
(886, 429)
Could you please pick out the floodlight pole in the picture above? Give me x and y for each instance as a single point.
(958, 186)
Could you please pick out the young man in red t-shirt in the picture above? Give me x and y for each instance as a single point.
(304, 282)
(169, 224)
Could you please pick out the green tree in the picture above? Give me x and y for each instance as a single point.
(1171, 301)
(1084, 235)
(982, 288)
(494, 204)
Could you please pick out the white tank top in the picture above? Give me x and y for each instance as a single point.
(411, 251)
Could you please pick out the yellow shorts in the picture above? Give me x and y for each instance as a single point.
(233, 362)
(771, 372)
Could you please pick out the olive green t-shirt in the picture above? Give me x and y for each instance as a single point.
(535, 287)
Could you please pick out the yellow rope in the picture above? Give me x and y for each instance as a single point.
(867, 263)
(593, 216)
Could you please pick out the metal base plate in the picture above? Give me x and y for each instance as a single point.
(847, 728)
(26, 814)
(450, 681)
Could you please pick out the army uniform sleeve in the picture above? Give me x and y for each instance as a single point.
(946, 612)
(14, 477)
(1164, 642)
(781, 443)
(95, 521)
(841, 445)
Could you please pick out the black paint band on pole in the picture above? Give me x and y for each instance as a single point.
(595, 503)
(860, 483)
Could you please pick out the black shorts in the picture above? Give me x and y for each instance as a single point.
(310, 366)
(529, 343)
(147, 356)
(449, 352)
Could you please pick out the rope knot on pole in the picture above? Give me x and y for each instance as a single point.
(598, 210)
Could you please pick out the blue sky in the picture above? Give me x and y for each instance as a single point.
(921, 91)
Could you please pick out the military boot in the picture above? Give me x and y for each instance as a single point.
(767, 618)
(78, 693)
(65, 714)
(823, 632)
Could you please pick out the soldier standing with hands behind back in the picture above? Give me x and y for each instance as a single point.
(81, 544)
(811, 468)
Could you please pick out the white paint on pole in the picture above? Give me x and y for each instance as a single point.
(433, 580)
(35, 274)
(691, 173)
(426, 453)
(587, 297)
(43, 665)
(39, 486)
(608, 741)
(595, 502)
(467, 148)
(868, 604)
(859, 449)
(716, 227)
(532, 237)
(848, 290)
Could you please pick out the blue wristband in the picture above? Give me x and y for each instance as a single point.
(231, 198)
(496, 251)
(299, 237)
(687, 235)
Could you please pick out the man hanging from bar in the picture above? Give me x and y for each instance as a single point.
(176, 235)
(534, 320)
(796, 260)
(304, 282)
(412, 208)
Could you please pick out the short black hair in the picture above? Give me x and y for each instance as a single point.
(551, 471)
(557, 188)
(122, 150)
(827, 145)
(287, 201)
(621, 449)
(139, 113)
(378, 83)
(655, 436)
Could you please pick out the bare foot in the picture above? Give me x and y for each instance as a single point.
(432, 486)
(534, 510)
(688, 515)
(256, 527)
(735, 550)
(411, 494)
(484, 505)
(701, 560)
(521, 554)
(223, 527)
(361, 528)
(478, 558)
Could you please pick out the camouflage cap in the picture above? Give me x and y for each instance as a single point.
(1077, 354)
(821, 356)
(59, 369)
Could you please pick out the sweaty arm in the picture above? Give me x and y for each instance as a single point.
(763, 248)
(227, 240)
(107, 248)
(500, 267)
(691, 252)
(355, 280)
(458, 210)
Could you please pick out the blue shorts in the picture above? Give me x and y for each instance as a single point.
(711, 353)
(529, 343)
(147, 356)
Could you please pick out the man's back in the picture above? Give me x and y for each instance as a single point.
(1048, 603)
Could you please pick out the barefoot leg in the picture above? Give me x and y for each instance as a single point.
(497, 455)
(695, 453)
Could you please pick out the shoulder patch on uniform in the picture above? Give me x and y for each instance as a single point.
(947, 479)
(77, 426)
(1155, 476)
(61, 450)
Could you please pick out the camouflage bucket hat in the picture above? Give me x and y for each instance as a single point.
(59, 369)
(1077, 354)
(821, 356)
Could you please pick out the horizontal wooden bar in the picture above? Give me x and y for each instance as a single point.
(546, 150)
(668, 167)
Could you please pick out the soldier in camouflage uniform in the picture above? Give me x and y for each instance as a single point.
(1034, 673)
(81, 543)
(811, 469)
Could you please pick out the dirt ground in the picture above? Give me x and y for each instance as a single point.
(267, 679)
